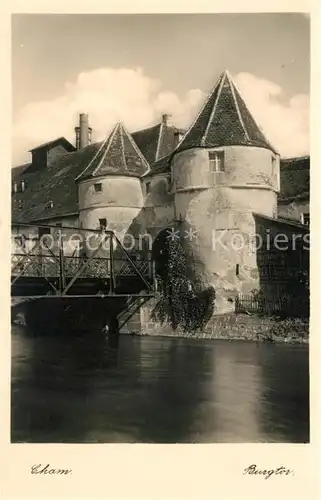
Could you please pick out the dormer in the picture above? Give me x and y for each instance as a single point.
(46, 153)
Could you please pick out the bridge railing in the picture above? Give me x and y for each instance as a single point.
(62, 252)
(33, 265)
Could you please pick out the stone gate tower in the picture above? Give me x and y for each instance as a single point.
(109, 189)
(223, 171)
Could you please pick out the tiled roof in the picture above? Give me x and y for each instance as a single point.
(295, 178)
(19, 170)
(224, 120)
(163, 165)
(117, 155)
(157, 141)
(60, 140)
(54, 183)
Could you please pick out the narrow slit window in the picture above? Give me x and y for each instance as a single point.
(216, 161)
(305, 219)
(148, 185)
(102, 224)
(237, 269)
(98, 187)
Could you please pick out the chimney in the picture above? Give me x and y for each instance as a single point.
(83, 132)
(166, 118)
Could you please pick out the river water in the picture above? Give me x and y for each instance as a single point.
(157, 390)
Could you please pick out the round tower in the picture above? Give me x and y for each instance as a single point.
(224, 172)
(110, 192)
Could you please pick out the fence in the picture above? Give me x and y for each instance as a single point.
(285, 305)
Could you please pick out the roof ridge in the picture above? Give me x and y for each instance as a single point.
(159, 140)
(224, 120)
(93, 158)
(233, 88)
(147, 128)
(109, 141)
(136, 148)
(220, 84)
(197, 117)
(121, 129)
(258, 125)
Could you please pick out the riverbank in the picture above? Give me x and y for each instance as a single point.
(230, 327)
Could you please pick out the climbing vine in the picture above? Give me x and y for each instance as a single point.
(184, 303)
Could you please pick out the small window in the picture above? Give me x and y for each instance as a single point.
(58, 224)
(98, 187)
(148, 185)
(43, 230)
(237, 269)
(102, 224)
(305, 219)
(216, 160)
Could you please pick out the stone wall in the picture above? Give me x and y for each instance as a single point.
(158, 210)
(119, 201)
(216, 213)
(230, 327)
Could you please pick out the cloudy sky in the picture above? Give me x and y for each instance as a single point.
(135, 67)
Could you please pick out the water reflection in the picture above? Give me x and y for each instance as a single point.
(158, 390)
(285, 393)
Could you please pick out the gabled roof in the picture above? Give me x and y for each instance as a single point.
(117, 155)
(60, 140)
(294, 179)
(157, 141)
(224, 120)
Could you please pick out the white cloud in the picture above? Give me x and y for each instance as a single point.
(285, 122)
(129, 95)
(107, 95)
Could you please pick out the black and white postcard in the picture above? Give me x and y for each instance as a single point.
(156, 219)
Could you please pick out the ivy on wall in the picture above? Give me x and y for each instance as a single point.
(183, 303)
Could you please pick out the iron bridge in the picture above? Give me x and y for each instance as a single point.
(58, 261)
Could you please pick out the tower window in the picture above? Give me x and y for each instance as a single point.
(216, 160)
(237, 269)
(102, 224)
(148, 186)
(42, 231)
(98, 187)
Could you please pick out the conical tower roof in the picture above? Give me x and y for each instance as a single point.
(224, 120)
(117, 155)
